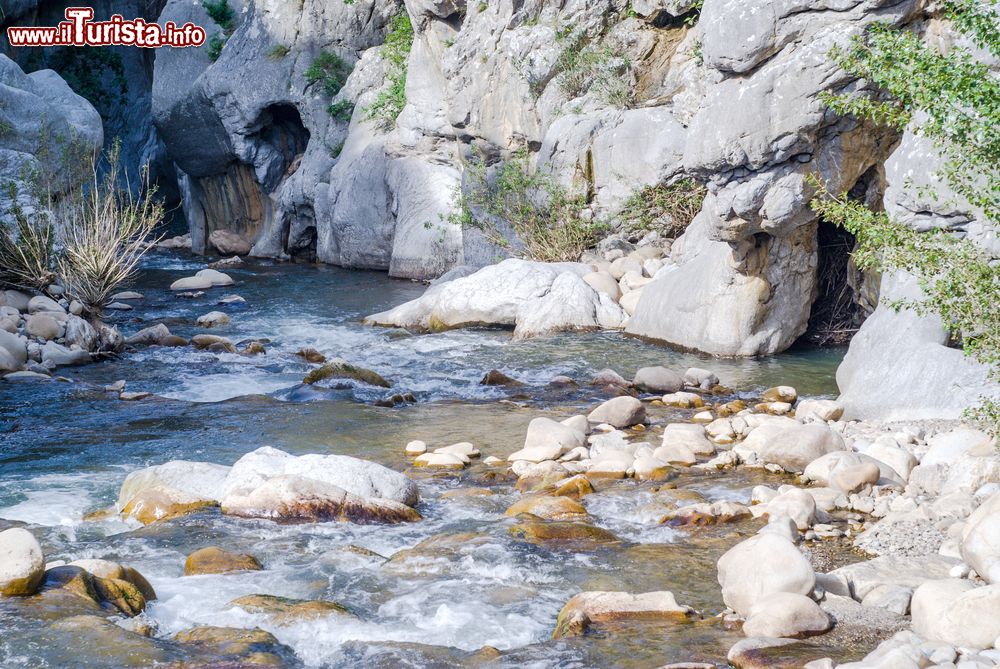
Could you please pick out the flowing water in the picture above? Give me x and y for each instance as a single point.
(65, 448)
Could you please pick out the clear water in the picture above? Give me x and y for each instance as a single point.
(65, 448)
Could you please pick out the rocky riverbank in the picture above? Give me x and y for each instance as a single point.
(870, 539)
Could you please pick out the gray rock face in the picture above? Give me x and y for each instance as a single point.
(923, 378)
(41, 111)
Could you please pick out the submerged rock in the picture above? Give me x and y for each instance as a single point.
(119, 595)
(593, 607)
(548, 508)
(341, 369)
(283, 610)
(254, 647)
(569, 535)
(214, 560)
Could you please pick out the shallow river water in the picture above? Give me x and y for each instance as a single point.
(66, 447)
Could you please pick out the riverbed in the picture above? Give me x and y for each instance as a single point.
(66, 446)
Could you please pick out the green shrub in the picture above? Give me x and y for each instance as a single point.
(277, 52)
(216, 43)
(336, 150)
(957, 101)
(545, 217)
(330, 71)
(664, 208)
(5, 128)
(391, 100)
(221, 13)
(341, 110)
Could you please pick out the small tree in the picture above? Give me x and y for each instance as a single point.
(953, 100)
(105, 230)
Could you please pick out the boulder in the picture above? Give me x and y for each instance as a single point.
(675, 454)
(605, 283)
(780, 394)
(609, 377)
(15, 299)
(150, 336)
(297, 498)
(360, 478)
(533, 297)
(107, 569)
(697, 377)
(441, 461)
(854, 478)
(214, 560)
(22, 564)
(862, 578)
(173, 489)
(759, 566)
(657, 380)
(795, 447)
(41, 326)
(203, 280)
(688, 435)
(61, 356)
(956, 612)
(213, 319)
(796, 504)
(818, 410)
(13, 351)
(765, 653)
(594, 607)
(619, 412)
(547, 439)
(229, 243)
(41, 303)
(683, 400)
(786, 615)
(415, 447)
(823, 469)
(980, 540)
(81, 333)
(901, 460)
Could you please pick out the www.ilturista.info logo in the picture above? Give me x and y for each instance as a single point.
(79, 29)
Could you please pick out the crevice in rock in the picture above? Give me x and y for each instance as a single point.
(283, 139)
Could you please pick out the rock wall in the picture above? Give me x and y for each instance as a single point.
(732, 101)
(40, 119)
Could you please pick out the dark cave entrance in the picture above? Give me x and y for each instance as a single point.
(285, 137)
(298, 235)
(839, 308)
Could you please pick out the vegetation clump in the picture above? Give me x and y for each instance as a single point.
(225, 17)
(550, 222)
(328, 70)
(586, 66)
(953, 100)
(391, 100)
(666, 208)
(89, 239)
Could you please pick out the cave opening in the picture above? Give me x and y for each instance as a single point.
(839, 308)
(283, 134)
(299, 236)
